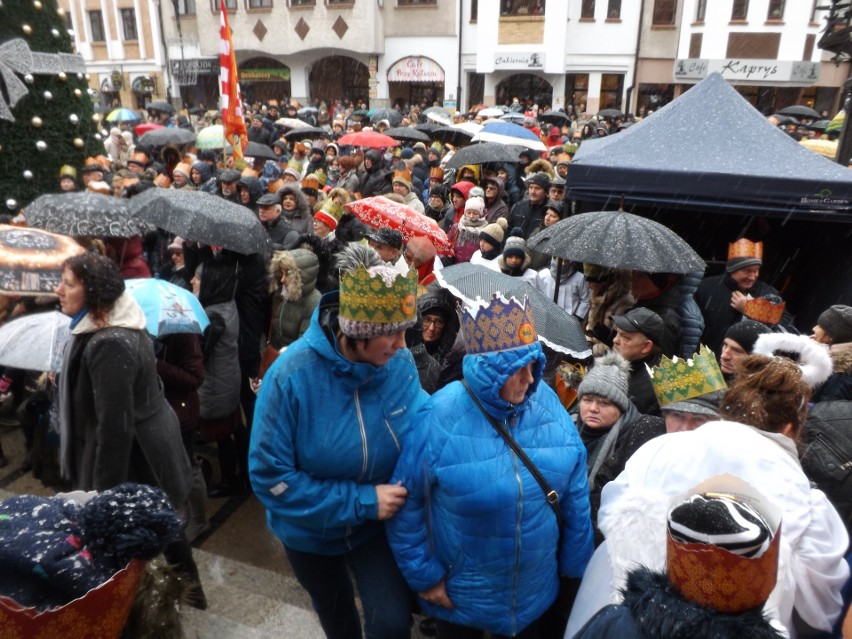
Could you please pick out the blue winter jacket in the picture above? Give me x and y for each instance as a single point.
(475, 515)
(326, 431)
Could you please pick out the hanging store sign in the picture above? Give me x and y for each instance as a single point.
(748, 71)
(415, 69)
(247, 76)
(531, 60)
(197, 66)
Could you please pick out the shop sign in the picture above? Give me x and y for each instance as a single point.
(247, 76)
(748, 71)
(416, 69)
(531, 60)
(197, 66)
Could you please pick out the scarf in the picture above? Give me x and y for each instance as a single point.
(604, 448)
(468, 230)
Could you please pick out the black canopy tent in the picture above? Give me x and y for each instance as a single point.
(710, 150)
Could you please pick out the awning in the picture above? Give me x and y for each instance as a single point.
(416, 69)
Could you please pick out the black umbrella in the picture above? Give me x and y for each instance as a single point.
(484, 153)
(407, 134)
(84, 214)
(514, 118)
(161, 105)
(306, 133)
(800, 111)
(197, 110)
(610, 113)
(618, 240)
(258, 150)
(428, 128)
(439, 111)
(819, 125)
(393, 116)
(561, 331)
(451, 135)
(202, 217)
(167, 135)
(556, 118)
(784, 120)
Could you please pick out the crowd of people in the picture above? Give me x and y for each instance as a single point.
(409, 445)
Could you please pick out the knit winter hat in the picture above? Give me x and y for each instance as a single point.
(182, 169)
(475, 204)
(744, 253)
(540, 179)
(745, 333)
(495, 232)
(515, 245)
(608, 378)
(836, 322)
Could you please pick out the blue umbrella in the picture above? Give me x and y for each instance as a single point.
(123, 114)
(508, 133)
(168, 308)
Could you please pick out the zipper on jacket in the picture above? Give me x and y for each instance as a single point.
(518, 518)
(363, 435)
(393, 436)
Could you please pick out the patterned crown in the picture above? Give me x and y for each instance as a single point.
(763, 310)
(369, 298)
(676, 379)
(745, 248)
(501, 325)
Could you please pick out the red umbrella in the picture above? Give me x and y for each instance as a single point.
(379, 211)
(367, 138)
(142, 129)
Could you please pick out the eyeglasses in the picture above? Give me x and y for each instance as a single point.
(437, 322)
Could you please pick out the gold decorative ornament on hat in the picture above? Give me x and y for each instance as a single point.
(369, 298)
(500, 325)
(745, 248)
(677, 379)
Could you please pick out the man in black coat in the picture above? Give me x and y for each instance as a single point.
(639, 333)
(722, 298)
(528, 214)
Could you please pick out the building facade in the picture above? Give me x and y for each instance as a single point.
(122, 44)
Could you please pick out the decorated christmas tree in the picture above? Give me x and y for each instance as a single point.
(46, 114)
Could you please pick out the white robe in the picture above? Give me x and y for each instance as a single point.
(632, 517)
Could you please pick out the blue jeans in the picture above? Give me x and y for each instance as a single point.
(385, 596)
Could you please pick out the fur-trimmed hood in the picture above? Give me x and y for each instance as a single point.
(841, 357)
(540, 166)
(811, 357)
(302, 207)
(301, 266)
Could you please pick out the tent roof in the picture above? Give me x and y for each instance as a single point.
(710, 149)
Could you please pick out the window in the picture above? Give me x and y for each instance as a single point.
(664, 12)
(740, 10)
(813, 11)
(411, 3)
(186, 7)
(776, 10)
(128, 24)
(96, 21)
(328, 2)
(474, 10)
(753, 46)
(613, 10)
(259, 4)
(695, 41)
(587, 10)
(517, 8)
(230, 5)
(700, 10)
(810, 40)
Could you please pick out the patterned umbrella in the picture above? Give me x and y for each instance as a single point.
(379, 211)
(167, 135)
(35, 342)
(123, 114)
(82, 214)
(202, 217)
(508, 133)
(618, 240)
(168, 308)
(561, 331)
(367, 138)
(211, 137)
(31, 259)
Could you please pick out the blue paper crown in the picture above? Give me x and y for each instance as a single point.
(500, 325)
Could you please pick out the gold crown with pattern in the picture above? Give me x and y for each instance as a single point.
(763, 310)
(677, 379)
(369, 298)
(745, 248)
(500, 325)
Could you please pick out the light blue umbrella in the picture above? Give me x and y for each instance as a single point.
(508, 133)
(35, 342)
(168, 308)
(123, 114)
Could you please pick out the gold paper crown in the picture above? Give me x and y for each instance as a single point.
(762, 310)
(500, 325)
(745, 248)
(367, 298)
(66, 170)
(676, 379)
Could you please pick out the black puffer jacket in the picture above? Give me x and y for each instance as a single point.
(449, 351)
(375, 181)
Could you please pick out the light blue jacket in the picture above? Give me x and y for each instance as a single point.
(326, 432)
(475, 515)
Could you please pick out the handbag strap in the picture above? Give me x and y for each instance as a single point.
(551, 495)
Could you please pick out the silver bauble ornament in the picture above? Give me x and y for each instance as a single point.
(27, 29)
(38, 5)
(60, 12)
(78, 93)
(54, 33)
(96, 117)
(48, 95)
(98, 137)
(36, 121)
(79, 76)
(11, 204)
(28, 175)
(28, 78)
(71, 33)
(78, 143)
(41, 145)
(74, 118)
(62, 76)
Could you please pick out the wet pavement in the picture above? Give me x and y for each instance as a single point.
(250, 588)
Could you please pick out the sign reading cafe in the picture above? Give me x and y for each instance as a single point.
(416, 69)
(748, 71)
